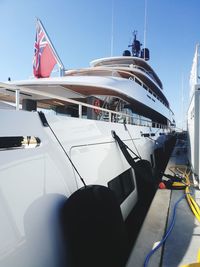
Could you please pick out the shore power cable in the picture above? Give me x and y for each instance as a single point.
(168, 232)
(195, 208)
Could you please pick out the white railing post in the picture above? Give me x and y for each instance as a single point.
(17, 99)
(80, 111)
(110, 116)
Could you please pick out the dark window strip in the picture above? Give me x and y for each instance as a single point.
(15, 142)
(122, 185)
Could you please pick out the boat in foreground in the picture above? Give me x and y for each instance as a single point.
(93, 130)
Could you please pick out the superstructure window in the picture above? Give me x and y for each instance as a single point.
(122, 185)
(152, 160)
(15, 142)
(145, 87)
(137, 81)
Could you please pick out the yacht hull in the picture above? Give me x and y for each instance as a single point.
(36, 181)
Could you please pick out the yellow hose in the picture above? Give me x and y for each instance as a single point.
(196, 206)
(191, 265)
(186, 178)
(192, 203)
(178, 184)
(195, 264)
(193, 206)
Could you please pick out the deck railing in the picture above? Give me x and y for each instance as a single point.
(104, 114)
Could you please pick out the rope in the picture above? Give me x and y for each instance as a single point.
(46, 124)
(132, 140)
(123, 145)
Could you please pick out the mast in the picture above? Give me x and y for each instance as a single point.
(112, 30)
(136, 46)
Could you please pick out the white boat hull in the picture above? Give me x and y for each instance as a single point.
(36, 181)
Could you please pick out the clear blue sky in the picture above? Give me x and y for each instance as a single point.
(81, 31)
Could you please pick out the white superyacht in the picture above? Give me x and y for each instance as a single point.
(47, 157)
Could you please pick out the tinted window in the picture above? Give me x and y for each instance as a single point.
(137, 81)
(122, 185)
(15, 142)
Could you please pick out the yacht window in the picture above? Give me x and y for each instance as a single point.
(152, 160)
(145, 87)
(122, 185)
(145, 134)
(137, 81)
(15, 142)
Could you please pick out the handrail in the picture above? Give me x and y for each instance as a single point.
(113, 116)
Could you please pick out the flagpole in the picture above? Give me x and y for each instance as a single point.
(60, 64)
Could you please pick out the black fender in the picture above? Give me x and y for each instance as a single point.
(94, 228)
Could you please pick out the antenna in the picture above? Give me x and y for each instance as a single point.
(112, 30)
(135, 46)
(182, 101)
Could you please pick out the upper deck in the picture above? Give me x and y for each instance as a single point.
(128, 61)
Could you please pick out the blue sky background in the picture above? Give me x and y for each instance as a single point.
(81, 31)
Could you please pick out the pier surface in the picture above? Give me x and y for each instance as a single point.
(182, 245)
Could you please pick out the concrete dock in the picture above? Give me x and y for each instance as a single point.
(182, 245)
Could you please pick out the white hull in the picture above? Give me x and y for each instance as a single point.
(36, 181)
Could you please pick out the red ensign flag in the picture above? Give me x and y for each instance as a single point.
(44, 59)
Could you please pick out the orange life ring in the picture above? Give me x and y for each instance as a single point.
(97, 104)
